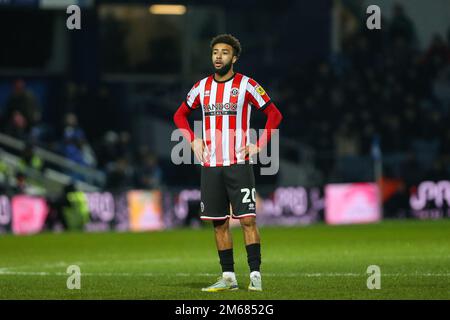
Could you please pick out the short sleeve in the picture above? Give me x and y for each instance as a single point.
(257, 95)
(193, 97)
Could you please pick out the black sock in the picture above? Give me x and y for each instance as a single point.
(254, 256)
(226, 260)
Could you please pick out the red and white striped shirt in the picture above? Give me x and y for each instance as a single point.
(226, 108)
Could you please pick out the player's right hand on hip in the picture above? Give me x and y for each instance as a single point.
(200, 150)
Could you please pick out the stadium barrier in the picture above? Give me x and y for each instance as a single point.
(431, 200)
(146, 210)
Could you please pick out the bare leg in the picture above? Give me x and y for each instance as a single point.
(253, 248)
(224, 247)
(223, 234)
(251, 233)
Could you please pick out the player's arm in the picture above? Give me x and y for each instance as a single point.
(274, 118)
(181, 121)
(261, 101)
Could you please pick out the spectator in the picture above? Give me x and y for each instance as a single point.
(124, 145)
(21, 108)
(75, 146)
(30, 160)
(441, 90)
(437, 56)
(17, 125)
(148, 175)
(107, 148)
(402, 28)
(71, 127)
(120, 175)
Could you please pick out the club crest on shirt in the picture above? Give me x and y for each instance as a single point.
(260, 90)
(207, 93)
(234, 92)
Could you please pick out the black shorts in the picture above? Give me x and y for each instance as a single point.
(222, 186)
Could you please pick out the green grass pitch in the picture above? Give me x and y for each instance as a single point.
(314, 262)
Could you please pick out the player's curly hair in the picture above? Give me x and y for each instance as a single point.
(230, 40)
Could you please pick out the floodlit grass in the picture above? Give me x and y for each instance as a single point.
(314, 262)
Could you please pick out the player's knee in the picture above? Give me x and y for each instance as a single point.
(248, 222)
(220, 225)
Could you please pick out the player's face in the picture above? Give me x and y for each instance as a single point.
(222, 58)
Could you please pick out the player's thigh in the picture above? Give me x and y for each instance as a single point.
(240, 184)
(214, 198)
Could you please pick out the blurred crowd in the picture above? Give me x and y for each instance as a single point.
(111, 151)
(379, 85)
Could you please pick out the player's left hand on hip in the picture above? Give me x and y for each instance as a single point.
(250, 150)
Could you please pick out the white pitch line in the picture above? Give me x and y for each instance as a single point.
(63, 264)
(4, 272)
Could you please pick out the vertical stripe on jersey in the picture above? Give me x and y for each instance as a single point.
(206, 119)
(244, 124)
(212, 122)
(232, 120)
(226, 125)
(249, 110)
(239, 127)
(218, 131)
(201, 92)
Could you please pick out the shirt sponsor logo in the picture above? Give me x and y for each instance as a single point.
(220, 109)
(260, 90)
